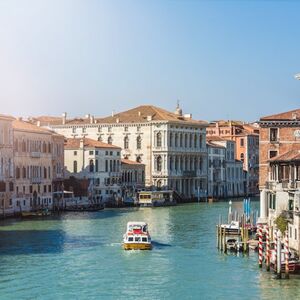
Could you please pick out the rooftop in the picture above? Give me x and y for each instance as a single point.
(291, 115)
(74, 143)
(27, 126)
(130, 162)
(211, 144)
(139, 114)
(292, 155)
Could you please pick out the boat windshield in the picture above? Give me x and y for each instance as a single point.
(137, 228)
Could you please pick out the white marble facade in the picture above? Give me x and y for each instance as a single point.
(172, 149)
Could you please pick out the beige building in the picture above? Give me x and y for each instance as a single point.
(99, 163)
(6, 165)
(226, 175)
(246, 138)
(171, 145)
(38, 159)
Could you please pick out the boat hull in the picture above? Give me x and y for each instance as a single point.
(137, 246)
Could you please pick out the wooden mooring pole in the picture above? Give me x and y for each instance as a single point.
(260, 247)
(278, 268)
(286, 248)
(267, 248)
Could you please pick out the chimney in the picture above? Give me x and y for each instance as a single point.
(139, 113)
(112, 113)
(38, 123)
(149, 118)
(92, 120)
(81, 144)
(64, 118)
(19, 118)
(187, 116)
(118, 120)
(87, 116)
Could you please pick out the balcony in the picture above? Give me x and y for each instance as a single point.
(35, 154)
(36, 180)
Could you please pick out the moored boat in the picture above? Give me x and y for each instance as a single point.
(137, 237)
(156, 198)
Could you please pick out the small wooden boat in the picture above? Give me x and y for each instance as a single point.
(137, 237)
(84, 208)
(234, 245)
(35, 214)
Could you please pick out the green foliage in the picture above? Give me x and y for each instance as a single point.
(281, 223)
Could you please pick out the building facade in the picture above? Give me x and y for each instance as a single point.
(246, 138)
(6, 165)
(34, 159)
(230, 170)
(172, 146)
(280, 171)
(216, 170)
(99, 163)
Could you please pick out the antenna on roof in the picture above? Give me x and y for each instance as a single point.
(178, 110)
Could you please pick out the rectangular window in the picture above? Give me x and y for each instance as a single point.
(272, 153)
(273, 134)
(296, 238)
(45, 189)
(91, 152)
(242, 142)
(75, 153)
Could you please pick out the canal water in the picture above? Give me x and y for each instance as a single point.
(79, 256)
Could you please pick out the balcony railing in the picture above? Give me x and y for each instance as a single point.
(35, 154)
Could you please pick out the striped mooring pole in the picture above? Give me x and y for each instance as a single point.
(275, 250)
(267, 248)
(286, 248)
(260, 247)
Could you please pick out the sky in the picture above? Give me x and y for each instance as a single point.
(221, 59)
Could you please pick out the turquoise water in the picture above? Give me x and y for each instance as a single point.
(79, 256)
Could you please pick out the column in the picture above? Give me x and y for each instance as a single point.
(263, 207)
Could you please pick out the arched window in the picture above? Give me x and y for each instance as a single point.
(200, 141)
(75, 166)
(109, 140)
(171, 140)
(126, 142)
(100, 138)
(195, 141)
(171, 163)
(139, 159)
(91, 166)
(97, 165)
(176, 163)
(176, 140)
(159, 164)
(24, 172)
(242, 157)
(138, 142)
(180, 140)
(191, 140)
(185, 140)
(158, 139)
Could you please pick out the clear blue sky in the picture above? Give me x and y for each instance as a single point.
(222, 59)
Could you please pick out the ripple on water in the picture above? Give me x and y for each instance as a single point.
(80, 256)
